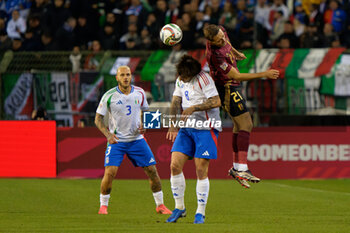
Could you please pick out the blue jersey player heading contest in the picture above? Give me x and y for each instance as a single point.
(196, 94)
(221, 58)
(124, 105)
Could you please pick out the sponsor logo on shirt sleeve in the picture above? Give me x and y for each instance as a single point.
(224, 66)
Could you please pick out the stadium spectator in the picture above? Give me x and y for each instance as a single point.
(131, 19)
(38, 7)
(290, 35)
(83, 33)
(200, 19)
(55, 16)
(125, 136)
(65, 37)
(135, 8)
(34, 24)
(40, 114)
(11, 5)
(311, 37)
(3, 7)
(246, 32)
(147, 42)
(284, 43)
(315, 16)
(190, 8)
(151, 25)
(204, 4)
(241, 7)
(278, 5)
(216, 11)
(207, 12)
(47, 42)
(17, 44)
(31, 41)
(173, 13)
(299, 13)
(188, 31)
(93, 13)
(16, 26)
(258, 45)
(346, 35)
(335, 16)
(262, 12)
(329, 37)
(323, 6)
(227, 17)
(299, 28)
(5, 41)
(92, 61)
(75, 58)
(3, 24)
(160, 12)
(130, 36)
(131, 44)
(82, 123)
(108, 38)
(277, 27)
(112, 20)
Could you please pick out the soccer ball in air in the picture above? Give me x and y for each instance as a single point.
(170, 34)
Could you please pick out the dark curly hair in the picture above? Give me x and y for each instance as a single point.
(188, 67)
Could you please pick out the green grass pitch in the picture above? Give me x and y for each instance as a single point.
(281, 206)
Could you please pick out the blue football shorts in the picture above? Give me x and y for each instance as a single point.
(138, 152)
(197, 143)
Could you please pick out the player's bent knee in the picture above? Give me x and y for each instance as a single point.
(151, 172)
(202, 173)
(110, 172)
(175, 168)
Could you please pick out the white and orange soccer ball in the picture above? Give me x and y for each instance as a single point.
(170, 34)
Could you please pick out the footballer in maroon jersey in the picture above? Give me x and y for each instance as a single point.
(221, 57)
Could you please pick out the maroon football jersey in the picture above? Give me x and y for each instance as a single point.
(221, 60)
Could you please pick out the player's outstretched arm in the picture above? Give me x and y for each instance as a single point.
(238, 55)
(174, 109)
(212, 102)
(112, 138)
(270, 74)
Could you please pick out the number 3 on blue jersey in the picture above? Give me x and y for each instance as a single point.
(129, 109)
(108, 150)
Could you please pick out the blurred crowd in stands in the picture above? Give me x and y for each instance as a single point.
(50, 25)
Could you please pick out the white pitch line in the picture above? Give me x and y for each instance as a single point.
(308, 189)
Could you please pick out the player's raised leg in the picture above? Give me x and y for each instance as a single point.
(106, 187)
(178, 185)
(245, 125)
(202, 188)
(156, 188)
(233, 171)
